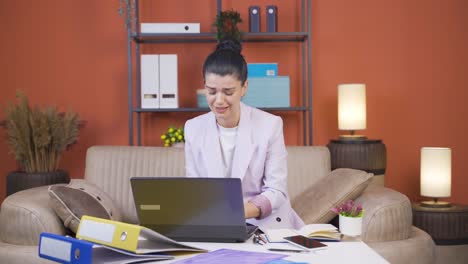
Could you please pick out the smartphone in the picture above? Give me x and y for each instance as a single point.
(304, 242)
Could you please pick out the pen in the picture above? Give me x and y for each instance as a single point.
(287, 250)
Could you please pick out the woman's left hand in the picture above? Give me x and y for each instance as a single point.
(251, 211)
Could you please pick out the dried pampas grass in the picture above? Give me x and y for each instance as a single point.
(38, 138)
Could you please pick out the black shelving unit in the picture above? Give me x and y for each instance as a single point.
(303, 37)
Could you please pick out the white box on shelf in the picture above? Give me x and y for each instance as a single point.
(149, 81)
(170, 28)
(168, 87)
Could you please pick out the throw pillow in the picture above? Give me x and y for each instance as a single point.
(314, 204)
(70, 202)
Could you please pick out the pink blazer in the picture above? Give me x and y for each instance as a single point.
(259, 160)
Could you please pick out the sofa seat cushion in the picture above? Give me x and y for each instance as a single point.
(25, 215)
(314, 204)
(79, 198)
(387, 216)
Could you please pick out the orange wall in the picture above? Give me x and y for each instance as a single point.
(411, 54)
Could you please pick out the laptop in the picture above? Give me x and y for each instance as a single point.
(192, 209)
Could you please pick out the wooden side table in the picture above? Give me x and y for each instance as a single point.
(446, 226)
(369, 155)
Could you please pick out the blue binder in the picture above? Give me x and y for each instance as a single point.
(64, 249)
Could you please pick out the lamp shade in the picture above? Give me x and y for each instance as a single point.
(436, 172)
(351, 106)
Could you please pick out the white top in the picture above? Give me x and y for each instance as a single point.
(227, 141)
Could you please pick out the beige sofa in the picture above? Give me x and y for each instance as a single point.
(24, 215)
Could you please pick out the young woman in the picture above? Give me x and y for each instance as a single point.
(235, 140)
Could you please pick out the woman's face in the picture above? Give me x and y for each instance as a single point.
(223, 94)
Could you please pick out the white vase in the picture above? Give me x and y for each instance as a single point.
(350, 226)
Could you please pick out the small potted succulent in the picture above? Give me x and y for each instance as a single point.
(350, 218)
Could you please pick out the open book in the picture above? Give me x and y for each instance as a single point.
(318, 231)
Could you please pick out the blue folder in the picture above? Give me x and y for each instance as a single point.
(63, 249)
(262, 69)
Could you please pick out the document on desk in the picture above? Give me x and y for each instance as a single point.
(229, 256)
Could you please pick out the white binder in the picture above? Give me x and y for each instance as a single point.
(170, 28)
(168, 87)
(149, 81)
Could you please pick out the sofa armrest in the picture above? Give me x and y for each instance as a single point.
(387, 216)
(25, 215)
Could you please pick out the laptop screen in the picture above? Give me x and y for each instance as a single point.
(189, 201)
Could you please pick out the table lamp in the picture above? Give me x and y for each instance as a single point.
(436, 175)
(356, 151)
(352, 109)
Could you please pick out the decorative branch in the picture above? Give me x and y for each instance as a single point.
(127, 10)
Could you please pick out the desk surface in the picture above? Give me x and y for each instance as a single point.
(336, 252)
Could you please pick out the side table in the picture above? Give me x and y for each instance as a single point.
(369, 155)
(448, 227)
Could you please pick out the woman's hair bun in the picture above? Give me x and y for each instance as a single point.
(229, 44)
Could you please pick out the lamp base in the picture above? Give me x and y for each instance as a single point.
(352, 137)
(436, 204)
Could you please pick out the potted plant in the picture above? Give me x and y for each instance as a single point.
(173, 137)
(350, 218)
(37, 139)
(226, 25)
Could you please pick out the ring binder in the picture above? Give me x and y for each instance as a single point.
(126, 236)
(254, 19)
(272, 18)
(65, 249)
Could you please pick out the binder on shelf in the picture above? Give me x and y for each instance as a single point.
(168, 81)
(254, 19)
(170, 28)
(149, 71)
(129, 237)
(272, 18)
(64, 249)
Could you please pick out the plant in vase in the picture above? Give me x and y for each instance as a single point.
(37, 139)
(350, 218)
(173, 137)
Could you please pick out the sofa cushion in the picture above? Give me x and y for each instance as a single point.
(79, 198)
(314, 204)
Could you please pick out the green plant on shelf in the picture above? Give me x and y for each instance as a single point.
(173, 136)
(226, 25)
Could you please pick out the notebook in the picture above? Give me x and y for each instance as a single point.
(192, 209)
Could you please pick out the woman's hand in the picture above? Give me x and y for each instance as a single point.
(251, 211)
